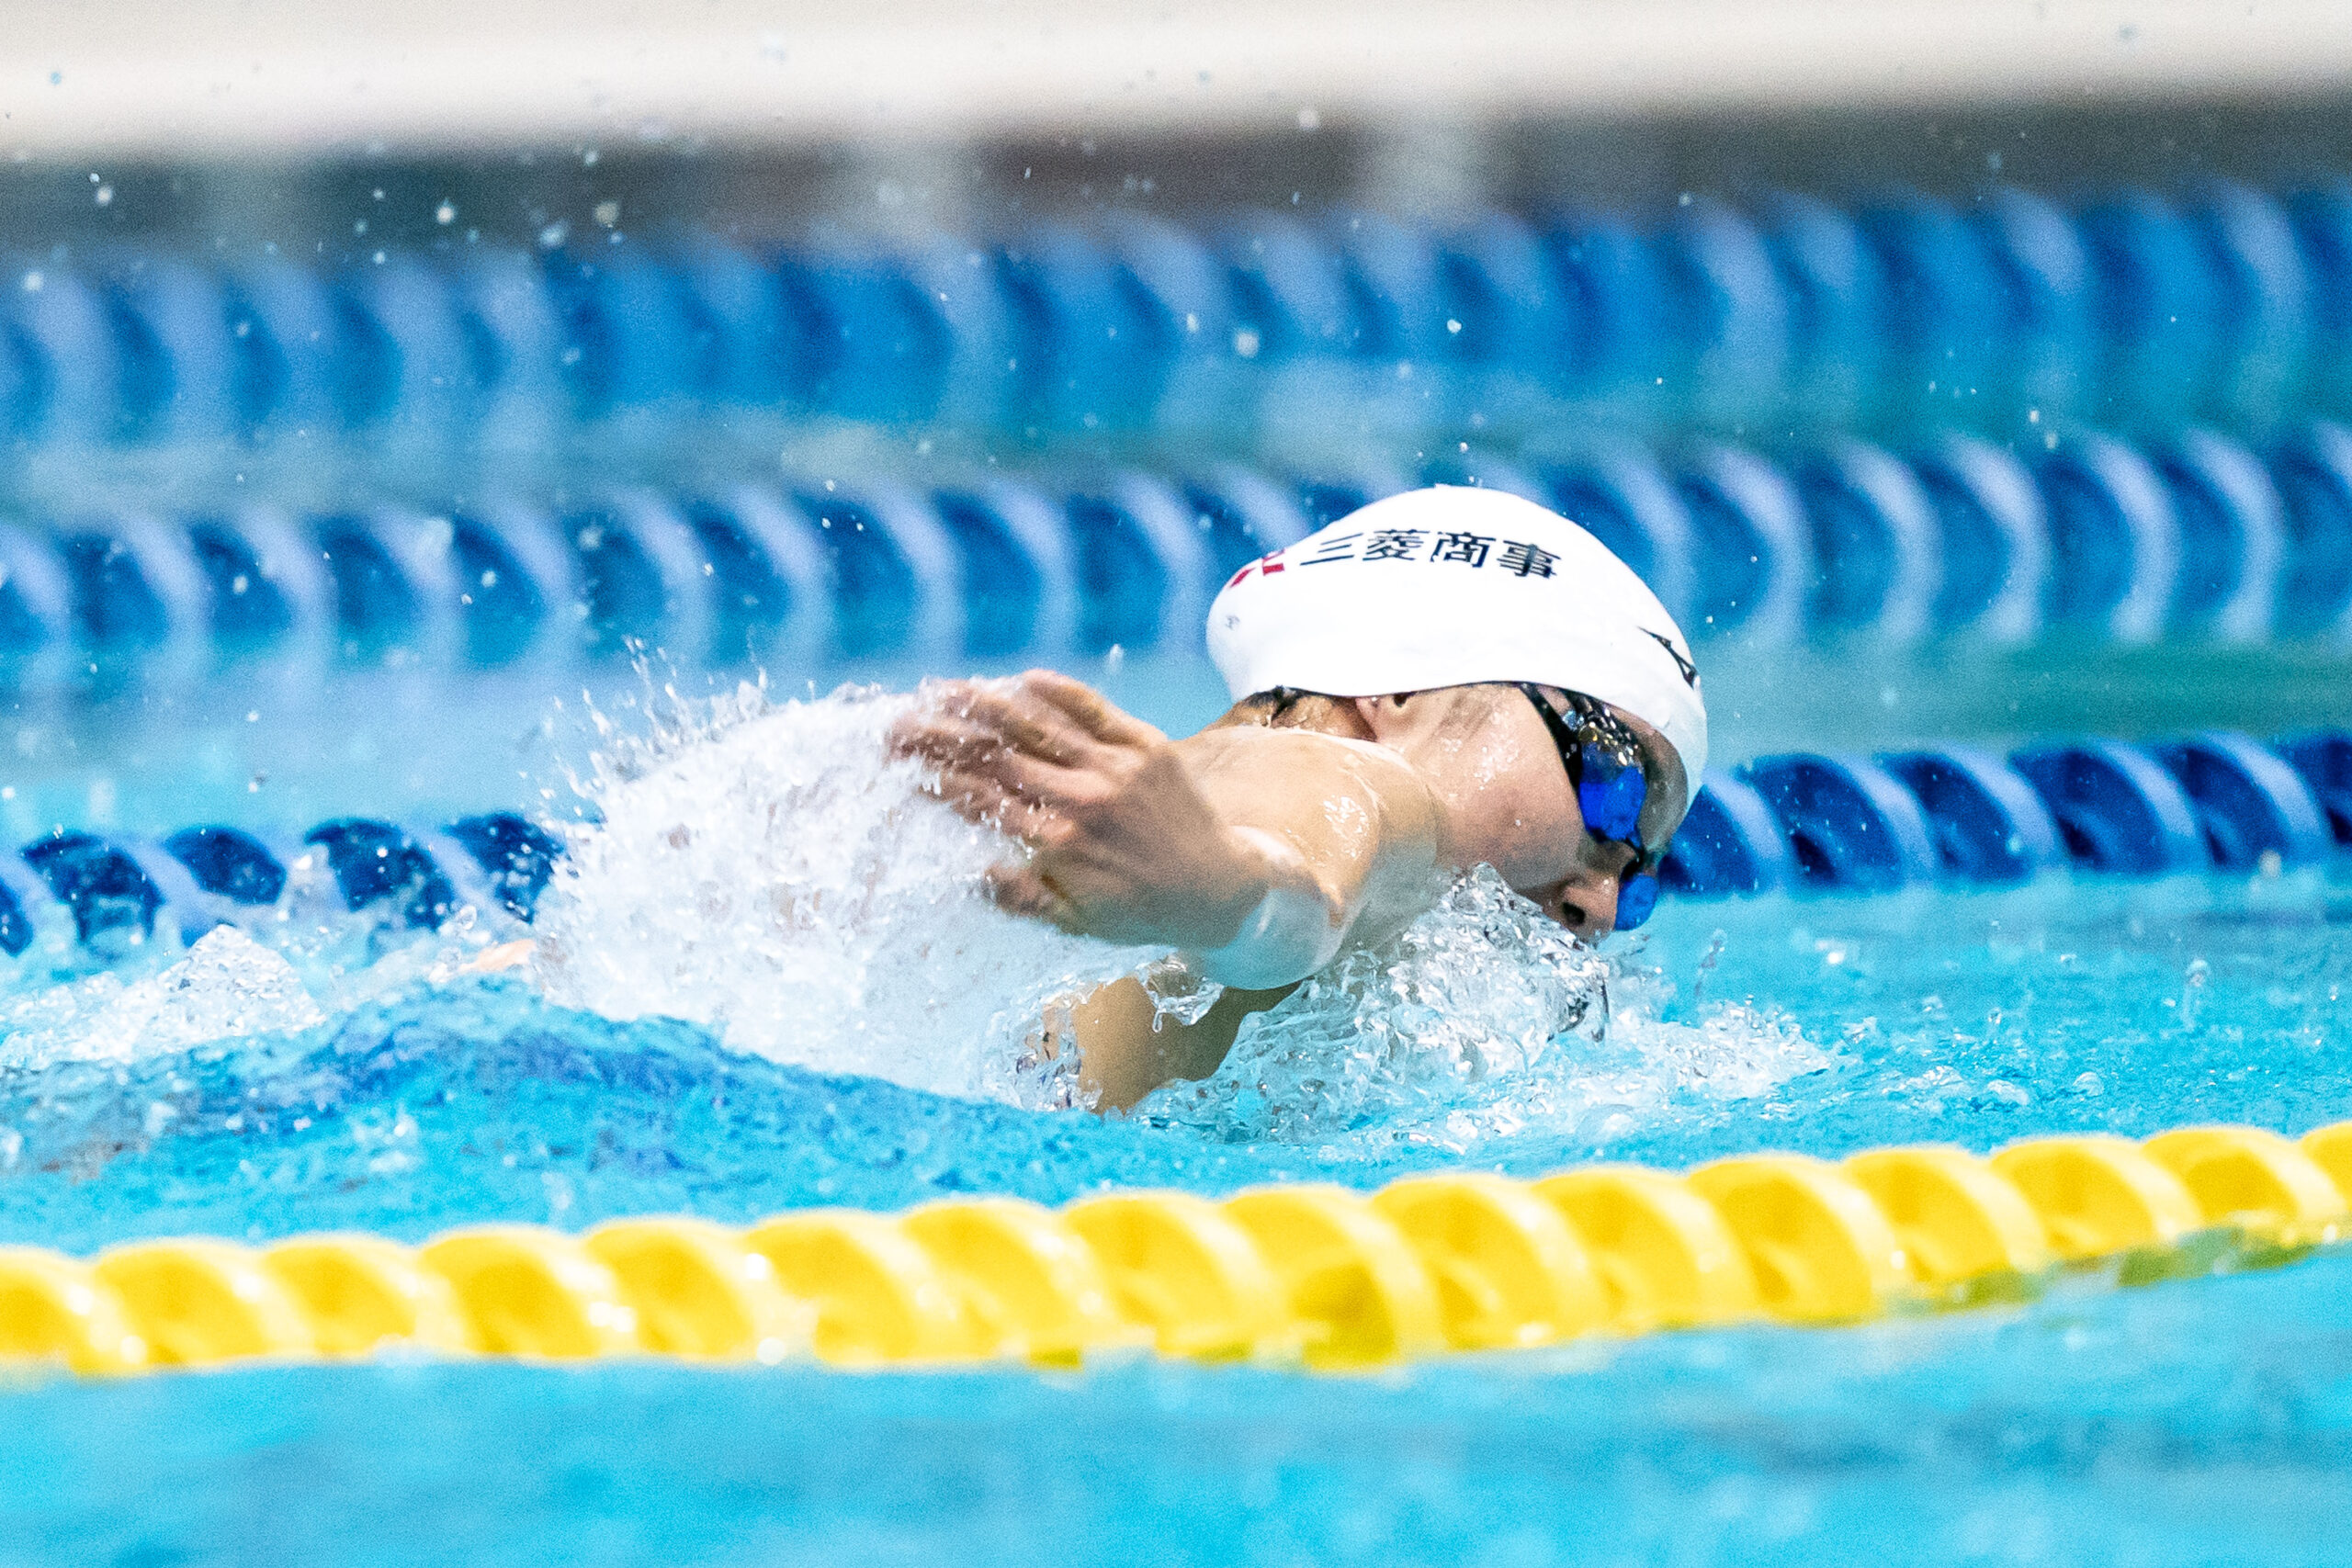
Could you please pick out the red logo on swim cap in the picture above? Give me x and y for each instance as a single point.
(1265, 566)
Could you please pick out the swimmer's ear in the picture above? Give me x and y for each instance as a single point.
(1378, 715)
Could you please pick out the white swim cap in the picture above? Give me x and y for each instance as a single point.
(1451, 587)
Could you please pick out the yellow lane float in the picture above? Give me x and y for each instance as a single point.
(527, 1291)
(1353, 1281)
(1662, 1253)
(1306, 1275)
(2254, 1180)
(197, 1300)
(1821, 1250)
(55, 1307)
(1028, 1284)
(1187, 1270)
(698, 1290)
(2099, 1195)
(1956, 1221)
(877, 1295)
(361, 1292)
(1509, 1269)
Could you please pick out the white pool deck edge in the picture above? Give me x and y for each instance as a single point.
(277, 78)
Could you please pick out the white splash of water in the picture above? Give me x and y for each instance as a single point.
(766, 872)
(228, 986)
(1483, 1019)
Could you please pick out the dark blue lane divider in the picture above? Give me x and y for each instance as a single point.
(1983, 817)
(108, 894)
(2325, 762)
(1849, 822)
(1730, 843)
(2117, 808)
(1959, 816)
(1951, 817)
(2227, 304)
(2197, 535)
(2249, 801)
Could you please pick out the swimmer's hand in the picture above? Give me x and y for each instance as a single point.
(1124, 845)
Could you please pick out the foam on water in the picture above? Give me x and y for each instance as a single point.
(1483, 1018)
(764, 871)
(229, 986)
(767, 872)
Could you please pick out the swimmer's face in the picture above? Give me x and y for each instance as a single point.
(1509, 805)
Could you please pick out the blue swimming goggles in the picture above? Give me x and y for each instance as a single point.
(1605, 763)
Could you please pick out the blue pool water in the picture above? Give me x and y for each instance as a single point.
(2203, 1422)
(1979, 467)
(2198, 1420)
(1828, 1026)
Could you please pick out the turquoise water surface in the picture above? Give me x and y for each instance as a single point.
(2195, 1421)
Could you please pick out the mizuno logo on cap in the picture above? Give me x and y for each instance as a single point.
(1690, 670)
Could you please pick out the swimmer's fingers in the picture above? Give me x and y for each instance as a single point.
(940, 739)
(948, 741)
(1026, 722)
(1017, 777)
(983, 722)
(937, 734)
(1089, 709)
(1020, 890)
(983, 797)
(979, 798)
(940, 708)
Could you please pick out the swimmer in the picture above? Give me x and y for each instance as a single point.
(1441, 679)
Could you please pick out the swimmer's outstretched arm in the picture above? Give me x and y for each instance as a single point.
(1261, 853)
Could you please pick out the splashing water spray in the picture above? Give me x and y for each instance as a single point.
(766, 871)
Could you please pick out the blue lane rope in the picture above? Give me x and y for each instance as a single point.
(2195, 536)
(1962, 815)
(1953, 815)
(2227, 303)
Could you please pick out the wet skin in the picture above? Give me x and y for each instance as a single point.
(1351, 822)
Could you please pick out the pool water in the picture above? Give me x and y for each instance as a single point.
(344, 1076)
(2203, 1422)
(1826, 1026)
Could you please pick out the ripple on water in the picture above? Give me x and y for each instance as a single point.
(248, 1092)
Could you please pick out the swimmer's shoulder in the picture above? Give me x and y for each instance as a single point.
(1341, 801)
(1250, 747)
(1258, 772)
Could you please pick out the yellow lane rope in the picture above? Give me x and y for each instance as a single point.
(1308, 1275)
